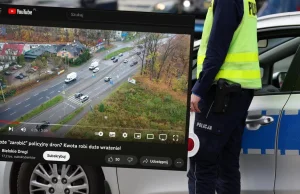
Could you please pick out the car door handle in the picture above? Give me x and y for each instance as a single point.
(255, 122)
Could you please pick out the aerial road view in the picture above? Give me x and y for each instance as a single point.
(93, 84)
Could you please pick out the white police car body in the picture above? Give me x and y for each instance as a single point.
(270, 157)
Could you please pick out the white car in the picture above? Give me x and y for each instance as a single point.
(84, 98)
(125, 61)
(96, 70)
(270, 157)
(121, 54)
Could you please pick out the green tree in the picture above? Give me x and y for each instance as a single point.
(101, 107)
(21, 60)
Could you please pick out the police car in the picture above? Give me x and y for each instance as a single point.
(270, 152)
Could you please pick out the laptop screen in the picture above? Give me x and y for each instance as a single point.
(95, 87)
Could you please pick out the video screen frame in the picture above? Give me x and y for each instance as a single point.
(172, 25)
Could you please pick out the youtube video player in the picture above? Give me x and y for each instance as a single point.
(95, 87)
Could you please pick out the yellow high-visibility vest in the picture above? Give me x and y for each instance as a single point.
(241, 64)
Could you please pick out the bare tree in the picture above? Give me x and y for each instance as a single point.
(144, 37)
(169, 48)
(107, 34)
(153, 48)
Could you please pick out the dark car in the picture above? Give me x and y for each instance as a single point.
(44, 125)
(19, 77)
(21, 74)
(116, 60)
(140, 46)
(78, 95)
(8, 73)
(113, 58)
(138, 53)
(133, 64)
(107, 79)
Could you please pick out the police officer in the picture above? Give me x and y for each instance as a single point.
(227, 59)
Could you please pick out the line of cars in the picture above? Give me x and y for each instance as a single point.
(81, 97)
(115, 59)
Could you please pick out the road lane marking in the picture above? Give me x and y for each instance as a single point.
(70, 105)
(41, 98)
(18, 103)
(51, 92)
(58, 91)
(45, 90)
(47, 97)
(36, 94)
(27, 105)
(55, 85)
(27, 99)
(13, 113)
(7, 109)
(52, 115)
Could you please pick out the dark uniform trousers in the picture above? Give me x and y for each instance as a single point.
(216, 165)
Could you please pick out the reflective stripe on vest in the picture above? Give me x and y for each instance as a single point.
(241, 64)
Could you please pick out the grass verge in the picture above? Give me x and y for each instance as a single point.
(50, 103)
(117, 52)
(134, 109)
(67, 119)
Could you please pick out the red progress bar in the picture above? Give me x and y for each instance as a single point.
(10, 122)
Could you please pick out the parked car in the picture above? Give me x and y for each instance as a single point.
(270, 157)
(84, 98)
(140, 46)
(125, 61)
(78, 95)
(96, 70)
(19, 77)
(138, 53)
(44, 125)
(8, 73)
(107, 79)
(121, 54)
(21, 74)
(115, 60)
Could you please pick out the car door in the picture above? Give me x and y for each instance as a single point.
(287, 157)
(259, 150)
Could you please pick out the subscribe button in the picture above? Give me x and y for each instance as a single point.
(56, 156)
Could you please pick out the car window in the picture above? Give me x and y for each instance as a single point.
(273, 42)
(275, 62)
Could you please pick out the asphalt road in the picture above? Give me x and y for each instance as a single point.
(25, 102)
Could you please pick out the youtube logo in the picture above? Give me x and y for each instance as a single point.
(12, 11)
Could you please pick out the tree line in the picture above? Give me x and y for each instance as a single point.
(165, 59)
(54, 34)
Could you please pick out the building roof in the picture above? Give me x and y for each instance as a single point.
(38, 51)
(74, 48)
(17, 49)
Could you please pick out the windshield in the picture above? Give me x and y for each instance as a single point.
(279, 6)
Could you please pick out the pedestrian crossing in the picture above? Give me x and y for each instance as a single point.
(77, 101)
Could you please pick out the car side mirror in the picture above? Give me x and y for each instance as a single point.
(278, 79)
(262, 43)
